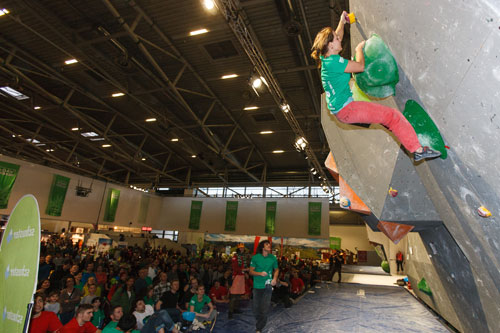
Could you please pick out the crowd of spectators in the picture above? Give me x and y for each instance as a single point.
(153, 285)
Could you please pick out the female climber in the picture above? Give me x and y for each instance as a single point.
(335, 75)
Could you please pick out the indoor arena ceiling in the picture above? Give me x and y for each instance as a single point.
(174, 121)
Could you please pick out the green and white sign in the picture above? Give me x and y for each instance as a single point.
(231, 214)
(195, 216)
(8, 175)
(314, 219)
(335, 243)
(19, 255)
(111, 205)
(57, 195)
(270, 217)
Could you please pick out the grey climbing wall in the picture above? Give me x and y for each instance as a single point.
(448, 53)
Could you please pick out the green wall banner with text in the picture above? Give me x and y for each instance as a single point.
(231, 213)
(270, 217)
(19, 256)
(111, 205)
(315, 218)
(195, 216)
(57, 195)
(335, 243)
(8, 174)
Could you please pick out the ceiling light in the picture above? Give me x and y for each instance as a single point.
(4, 12)
(75, 129)
(266, 132)
(193, 156)
(33, 140)
(174, 140)
(37, 107)
(49, 150)
(149, 120)
(97, 139)
(14, 93)
(300, 144)
(198, 32)
(256, 83)
(279, 151)
(285, 107)
(208, 4)
(71, 61)
(118, 94)
(143, 159)
(13, 135)
(89, 134)
(229, 76)
(251, 108)
(106, 145)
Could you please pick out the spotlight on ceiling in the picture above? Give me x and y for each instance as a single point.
(300, 144)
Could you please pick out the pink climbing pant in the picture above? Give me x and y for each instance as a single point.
(373, 113)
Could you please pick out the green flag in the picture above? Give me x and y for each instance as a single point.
(57, 195)
(335, 243)
(270, 217)
(19, 256)
(111, 205)
(231, 213)
(195, 216)
(8, 174)
(315, 218)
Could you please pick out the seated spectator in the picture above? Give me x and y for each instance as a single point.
(53, 302)
(281, 292)
(189, 292)
(142, 312)
(91, 281)
(197, 305)
(43, 321)
(148, 299)
(297, 285)
(159, 322)
(44, 287)
(142, 282)
(98, 316)
(161, 287)
(115, 316)
(88, 272)
(169, 301)
(125, 296)
(79, 284)
(127, 324)
(69, 299)
(218, 293)
(81, 323)
(101, 276)
(92, 293)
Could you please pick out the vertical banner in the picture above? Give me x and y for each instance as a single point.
(57, 195)
(19, 256)
(335, 243)
(231, 213)
(270, 217)
(314, 219)
(8, 174)
(111, 205)
(143, 209)
(195, 216)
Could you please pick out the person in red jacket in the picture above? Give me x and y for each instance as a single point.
(240, 266)
(218, 293)
(43, 321)
(81, 322)
(297, 285)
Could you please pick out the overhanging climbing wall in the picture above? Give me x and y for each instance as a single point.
(448, 57)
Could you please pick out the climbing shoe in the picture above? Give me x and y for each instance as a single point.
(426, 154)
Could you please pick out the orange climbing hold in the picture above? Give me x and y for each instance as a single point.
(394, 231)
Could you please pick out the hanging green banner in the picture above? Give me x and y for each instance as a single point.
(315, 218)
(111, 205)
(19, 256)
(270, 217)
(335, 243)
(143, 209)
(195, 216)
(8, 174)
(231, 213)
(57, 195)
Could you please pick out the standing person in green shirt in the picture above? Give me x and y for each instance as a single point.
(264, 269)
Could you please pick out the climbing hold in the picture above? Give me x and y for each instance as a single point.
(381, 74)
(385, 266)
(427, 131)
(424, 287)
(483, 212)
(350, 18)
(393, 192)
(447, 147)
(345, 203)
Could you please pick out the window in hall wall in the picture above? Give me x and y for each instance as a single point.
(168, 234)
(273, 192)
(235, 191)
(254, 191)
(298, 191)
(215, 191)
